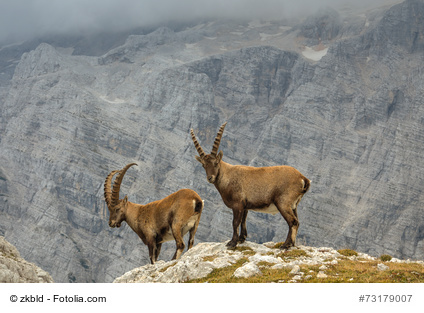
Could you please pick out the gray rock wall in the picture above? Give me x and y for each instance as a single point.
(352, 122)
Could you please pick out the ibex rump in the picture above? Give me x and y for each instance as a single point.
(158, 221)
(263, 189)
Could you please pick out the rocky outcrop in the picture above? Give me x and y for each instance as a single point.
(323, 26)
(351, 120)
(14, 269)
(203, 258)
(401, 26)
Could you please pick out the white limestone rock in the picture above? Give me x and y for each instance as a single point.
(382, 267)
(321, 274)
(247, 270)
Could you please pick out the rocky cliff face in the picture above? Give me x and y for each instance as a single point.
(14, 269)
(347, 113)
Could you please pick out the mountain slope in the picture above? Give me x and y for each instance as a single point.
(344, 109)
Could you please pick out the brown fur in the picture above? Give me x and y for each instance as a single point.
(244, 188)
(158, 221)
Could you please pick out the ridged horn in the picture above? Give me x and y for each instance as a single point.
(197, 144)
(218, 140)
(117, 184)
(108, 188)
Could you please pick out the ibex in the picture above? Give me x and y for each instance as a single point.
(263, 189)
(158, 221)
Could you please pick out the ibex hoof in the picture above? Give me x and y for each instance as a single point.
(286, 246)
(231, 245)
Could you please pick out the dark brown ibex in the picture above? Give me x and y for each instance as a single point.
(263, 189)
(158, 221)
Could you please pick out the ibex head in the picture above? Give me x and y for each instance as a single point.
(210, 162)
(116, 206)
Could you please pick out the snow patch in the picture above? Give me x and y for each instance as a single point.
(114, 101)
(314, 55)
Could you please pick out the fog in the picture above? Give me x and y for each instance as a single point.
(23, 19)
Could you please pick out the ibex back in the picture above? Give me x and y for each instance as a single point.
(158, 221)
(263, 189)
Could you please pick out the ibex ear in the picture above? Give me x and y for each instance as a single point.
(125, 200)
(198, 159)
(219, 156)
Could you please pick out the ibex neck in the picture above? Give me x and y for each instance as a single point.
(132, 213)
(222, 179)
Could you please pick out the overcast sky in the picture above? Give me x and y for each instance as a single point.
(20, 19)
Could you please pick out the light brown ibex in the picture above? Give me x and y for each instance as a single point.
(263, 189)
(158, 221)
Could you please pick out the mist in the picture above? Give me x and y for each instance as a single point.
(24, 19)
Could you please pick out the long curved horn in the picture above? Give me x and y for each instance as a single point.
(117, 184)
(197, 144)
(108, 188)
(218, 140)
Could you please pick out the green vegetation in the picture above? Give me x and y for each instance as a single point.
(222, 275)
(344, 270)
(348, 252)
(209, 258)
(292, 254)
(385, 257)
(278, 245)
(166, 267)
(245, 250)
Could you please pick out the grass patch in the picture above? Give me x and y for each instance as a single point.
(209, 258)
(345, 271)
(221, 275)
(265, 264)
(166, 267)
(292, 254)
(385, 257)
(347, 252)
(278, 245)
(245, 250)
(225, 275)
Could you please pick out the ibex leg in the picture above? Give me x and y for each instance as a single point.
(237, 218)
(291, 219)
(152, 250)
(177, 232)
(158, 247)
(243, 228)
(192, 233)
